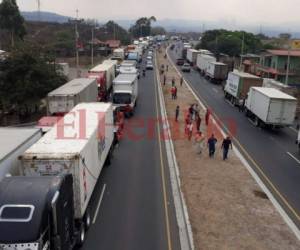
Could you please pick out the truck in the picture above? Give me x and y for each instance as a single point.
(270, 107)
(186, 46)
(104, 73)
(217, 72)
(203, 61)
(125, 93)
(61, 100)
(14, 142)
(191, 56)
(129, 70)
(50, 204)
(237, 86)
(118, 54)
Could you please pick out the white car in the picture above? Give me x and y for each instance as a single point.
(149, 65)
(149, 58)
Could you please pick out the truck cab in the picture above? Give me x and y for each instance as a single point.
(37, 213)
(125, 93)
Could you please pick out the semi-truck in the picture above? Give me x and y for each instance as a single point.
(186, 47)
(203, 61)
(238, 84)
(191, 56)
(125, 93)
(61, 100)
(217, 72)
(118, 54)
(270, 107)
(104, 74)
(14, 142)
(48, 207)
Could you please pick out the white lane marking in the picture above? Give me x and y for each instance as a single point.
(215, 90)
(99, 204)
(298, 161)
(293, 129)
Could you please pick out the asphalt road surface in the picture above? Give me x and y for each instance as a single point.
(272, 154)
(129, 205)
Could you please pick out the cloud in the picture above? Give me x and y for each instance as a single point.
(240, 11)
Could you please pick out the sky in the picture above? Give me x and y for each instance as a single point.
(234, 11)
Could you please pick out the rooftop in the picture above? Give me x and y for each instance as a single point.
(284, 52)
(274, 93)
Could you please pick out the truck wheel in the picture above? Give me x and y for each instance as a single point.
(256, 122)
(87, 220)
(81, 236)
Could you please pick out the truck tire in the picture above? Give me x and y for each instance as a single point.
(87, 220)
(256, 122)
(81, 235)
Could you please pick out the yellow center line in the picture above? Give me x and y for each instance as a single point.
(162, 166)
(281, 196)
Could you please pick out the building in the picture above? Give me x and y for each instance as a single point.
(273, 64)
(113, 44)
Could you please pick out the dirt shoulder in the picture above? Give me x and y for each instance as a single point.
(227, 208)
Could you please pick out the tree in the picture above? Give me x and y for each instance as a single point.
(158, 30)
(27, 75)
(11, 20)
(229, 42)
(142, 27)
(115, 31)
(285, 36)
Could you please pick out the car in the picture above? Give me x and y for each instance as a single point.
(149, 65)
(149, 58)
(180, 61)
(186, 67)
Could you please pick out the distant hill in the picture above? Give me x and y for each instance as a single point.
(44, 17)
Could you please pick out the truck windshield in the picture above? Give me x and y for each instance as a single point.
(122, 98)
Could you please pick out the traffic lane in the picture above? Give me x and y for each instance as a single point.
(131, 215)
(277, 164)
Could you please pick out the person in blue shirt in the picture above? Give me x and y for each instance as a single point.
(212, 141)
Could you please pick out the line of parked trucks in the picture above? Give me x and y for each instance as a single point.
(47, 177)
(263, 105)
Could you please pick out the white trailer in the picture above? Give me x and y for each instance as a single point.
(81, 150)
(203, 61)
(108, 70)
(129, 70)
(125, 93)
(119, 54)
(67, 96)
(217, 72)
(191, 56)
(14, 142)
(269, 106)
(238, 84)
(63, 68)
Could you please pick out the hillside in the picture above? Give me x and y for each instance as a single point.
(44, 16)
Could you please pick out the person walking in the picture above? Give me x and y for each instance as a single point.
(190, 130)
(199, 141)
(212, 141)
(167, 67)
(226, 144)
(177, 113)
(181, 81)
(173, 81)
(207, 115)
(165, 78)
(198, 122)
(175, 92)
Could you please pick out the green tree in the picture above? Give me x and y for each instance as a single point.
(11, 20)
(230, 42)
(158, 30)
(26, 77)
(115, 31)
(142, 27)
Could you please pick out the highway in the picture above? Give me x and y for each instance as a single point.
(272, 154)
(132, 205)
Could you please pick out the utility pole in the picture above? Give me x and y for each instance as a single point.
(76, 41)
(242, 50)
(92, 46)
(288, 64)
